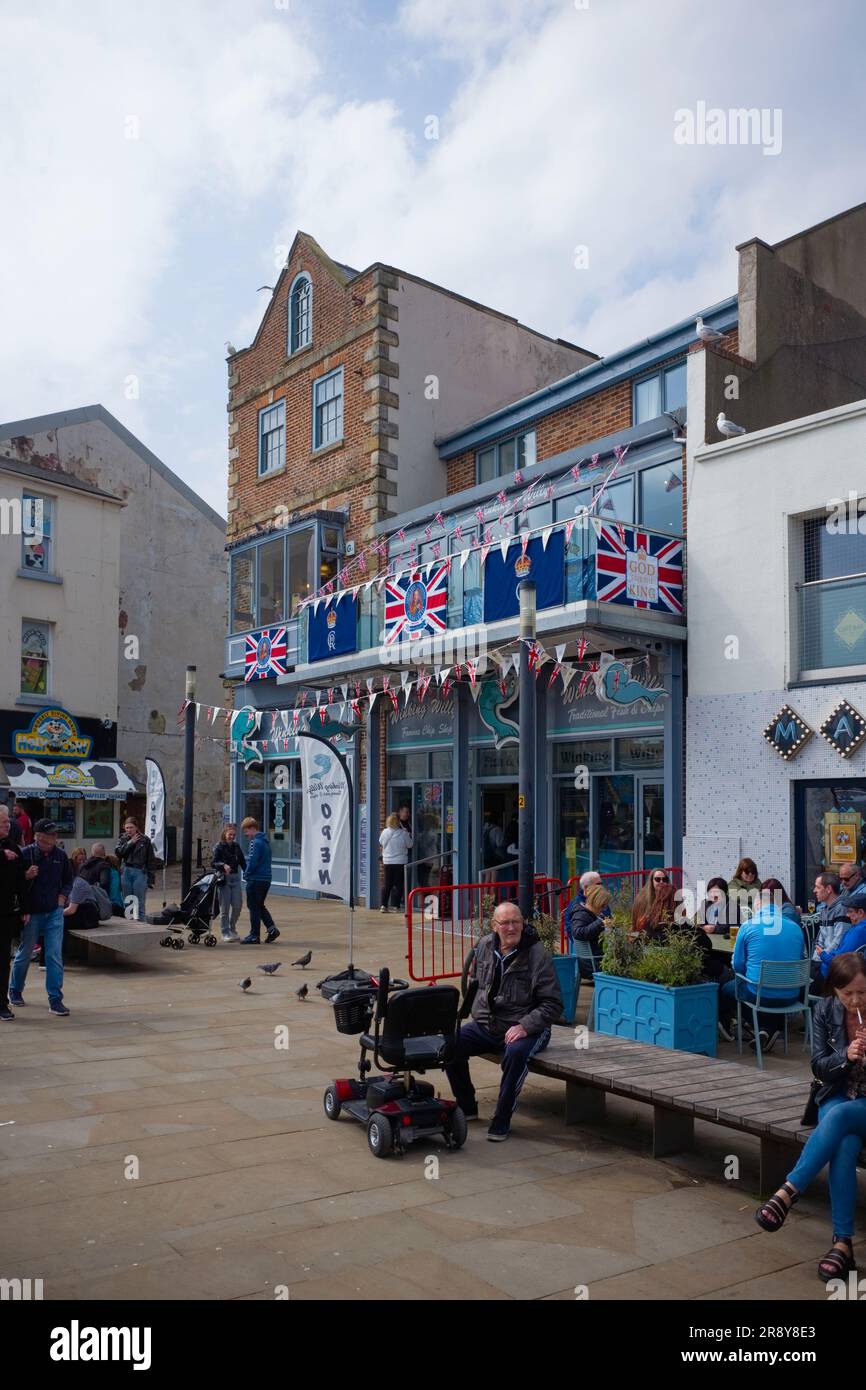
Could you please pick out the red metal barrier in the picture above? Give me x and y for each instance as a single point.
(444, 923)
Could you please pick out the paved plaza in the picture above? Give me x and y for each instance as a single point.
(243, 1184)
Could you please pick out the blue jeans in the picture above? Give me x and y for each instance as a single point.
(50, 924)
(231, 902)
(134, 882)
(472, 1040)
(837, 1140)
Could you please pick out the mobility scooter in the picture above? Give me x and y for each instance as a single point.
(414, 1031)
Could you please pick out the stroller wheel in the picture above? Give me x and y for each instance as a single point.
(380, 1135)
(166, 941)
(177, 943)
(210, 940)
(332, 1104)
(192, 939)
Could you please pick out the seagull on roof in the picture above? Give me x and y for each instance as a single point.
(727, 427)
(705, 333)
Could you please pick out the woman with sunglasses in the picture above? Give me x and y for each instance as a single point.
(641, 909)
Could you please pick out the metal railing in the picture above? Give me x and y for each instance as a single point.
(832, 624)
(444, 922)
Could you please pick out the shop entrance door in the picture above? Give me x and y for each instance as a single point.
(615, 823)
(830, 824)
(651, 824)
(498, 829)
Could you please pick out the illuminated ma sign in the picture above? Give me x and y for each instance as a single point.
(844, 729)
(787, 733)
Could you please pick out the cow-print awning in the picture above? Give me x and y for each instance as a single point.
(28, 777)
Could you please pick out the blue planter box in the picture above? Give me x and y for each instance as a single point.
(566, 976)
(684, 1018)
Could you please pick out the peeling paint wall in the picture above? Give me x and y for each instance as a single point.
(171, 610)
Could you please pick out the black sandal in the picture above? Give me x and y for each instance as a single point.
(771, 1216)
(836, 1264)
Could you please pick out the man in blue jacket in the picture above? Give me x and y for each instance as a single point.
(258, 880)
(49, 873)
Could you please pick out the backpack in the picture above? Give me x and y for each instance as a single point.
(103, 903)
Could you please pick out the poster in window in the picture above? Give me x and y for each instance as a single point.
(841, 837)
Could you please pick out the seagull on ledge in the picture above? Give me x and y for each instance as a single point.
(705, 333)
(727, 427)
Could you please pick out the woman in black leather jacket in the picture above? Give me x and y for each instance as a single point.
(838, 1056)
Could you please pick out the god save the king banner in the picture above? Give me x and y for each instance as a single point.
(325, 831)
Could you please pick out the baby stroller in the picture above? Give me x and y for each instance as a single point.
(414, 1030)
(198, 909)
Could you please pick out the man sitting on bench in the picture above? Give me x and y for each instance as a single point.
(518, 999)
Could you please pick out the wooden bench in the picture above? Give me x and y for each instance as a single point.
(681, 1087)
(117, 936)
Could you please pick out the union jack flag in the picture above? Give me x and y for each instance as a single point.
(265, 654)
(639, 568)
(416, 606)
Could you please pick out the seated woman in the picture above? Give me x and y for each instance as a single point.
(713, 912)
(743, 892)
(666, 915)
(83, 907)
(586, 922)
(646, 897)
(838, 1053)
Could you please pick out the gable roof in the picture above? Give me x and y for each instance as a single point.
(88, 414)
(345, 274)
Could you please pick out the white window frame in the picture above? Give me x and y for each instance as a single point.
(49, 661)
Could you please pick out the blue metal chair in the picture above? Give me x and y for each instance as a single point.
(809, 925)
(792, 976)
(584, 951)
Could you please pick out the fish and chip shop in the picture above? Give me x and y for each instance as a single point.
(600, 778)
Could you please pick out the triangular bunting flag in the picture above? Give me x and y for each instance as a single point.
(545, 536)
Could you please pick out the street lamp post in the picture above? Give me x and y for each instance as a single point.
(188, 781)
(525, 813)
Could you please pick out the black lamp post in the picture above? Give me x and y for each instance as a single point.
(188, 782)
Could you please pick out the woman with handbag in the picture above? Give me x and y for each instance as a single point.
(838, 1099)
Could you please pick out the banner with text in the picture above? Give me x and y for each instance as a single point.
(325, 839)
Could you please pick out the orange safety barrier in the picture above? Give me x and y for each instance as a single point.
(444, 923)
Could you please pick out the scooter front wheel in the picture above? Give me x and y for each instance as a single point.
(331, 1103)
(380, 1136)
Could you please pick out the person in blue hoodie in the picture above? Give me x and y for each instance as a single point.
(258, 880)
(854, 939)
(770, 934)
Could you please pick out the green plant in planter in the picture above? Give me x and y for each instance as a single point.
(547, 928)
(676, 960)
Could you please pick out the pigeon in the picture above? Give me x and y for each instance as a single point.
(303, 960)
(727, 427)
(270, 969)
(245, 984)
(705, 333)
(302, 992)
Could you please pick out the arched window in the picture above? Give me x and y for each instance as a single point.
(300, 313)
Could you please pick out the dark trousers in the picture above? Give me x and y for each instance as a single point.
(393, 885)
(9, 928)
(257, 891)
(473, 1040)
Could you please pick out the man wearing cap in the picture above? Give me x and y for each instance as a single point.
(50, 876)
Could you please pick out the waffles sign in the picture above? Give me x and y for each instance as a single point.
(52, 733)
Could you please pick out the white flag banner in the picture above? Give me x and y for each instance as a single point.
(464, 556)
(503, 546)
(155, 827)
(325, 830)
(545, 536)
(568, 674)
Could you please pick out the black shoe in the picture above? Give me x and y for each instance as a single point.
(498, 1132)
(6, 1015)
(16, 1000)
(59, 1009)
(771, 1040)
(764, 1039)
(250, 941)
(726, 1031)
(271, 936)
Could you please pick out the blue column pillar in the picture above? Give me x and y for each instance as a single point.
(373, 793)
(674, 742)
(461, 868)
(546, 857)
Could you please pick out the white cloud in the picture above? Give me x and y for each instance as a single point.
(121, 256)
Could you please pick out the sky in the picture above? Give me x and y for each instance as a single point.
(157, 159)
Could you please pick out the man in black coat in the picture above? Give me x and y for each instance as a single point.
(14, 893)
(518, 999)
